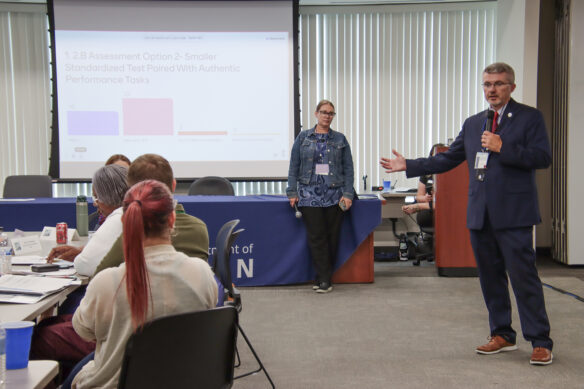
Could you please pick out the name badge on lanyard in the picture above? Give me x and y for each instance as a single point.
(481, 160)
(322, 168)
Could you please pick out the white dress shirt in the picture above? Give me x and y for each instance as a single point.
(100, 244)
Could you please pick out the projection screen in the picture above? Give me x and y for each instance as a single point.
(210, 85)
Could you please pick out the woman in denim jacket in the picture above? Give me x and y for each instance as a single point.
(320, 183)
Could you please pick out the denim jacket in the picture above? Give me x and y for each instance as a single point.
(302, 167)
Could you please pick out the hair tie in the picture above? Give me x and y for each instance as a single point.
(139, 203)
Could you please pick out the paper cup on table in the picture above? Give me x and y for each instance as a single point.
(18, 337)
(386, 185)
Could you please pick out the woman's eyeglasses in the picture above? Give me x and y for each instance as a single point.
(326, 113)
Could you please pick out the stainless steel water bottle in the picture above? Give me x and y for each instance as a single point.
(81, 214)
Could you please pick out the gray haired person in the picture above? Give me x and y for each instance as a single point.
(109, 188)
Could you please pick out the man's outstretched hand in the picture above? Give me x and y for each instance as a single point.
(397, 164)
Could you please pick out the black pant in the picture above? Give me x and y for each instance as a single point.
(323, 226)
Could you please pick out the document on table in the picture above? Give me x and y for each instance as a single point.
(29, 289)
(28, 260)
(405, 190)
(26, 270)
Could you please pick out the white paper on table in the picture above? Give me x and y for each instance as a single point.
(15, 284)
(2, 200)
(25, 245)
(20, 298)
(50, 234)
(26, 270)
(402, 189)
(29, 260)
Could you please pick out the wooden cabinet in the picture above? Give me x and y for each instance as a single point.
(453, 252)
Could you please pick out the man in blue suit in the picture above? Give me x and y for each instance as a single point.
(502, 207)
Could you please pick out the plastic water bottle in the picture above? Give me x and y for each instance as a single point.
(4, 241)
(403, 248)
(2, 358)
(5, 261)
(5, 251)
(81, 215)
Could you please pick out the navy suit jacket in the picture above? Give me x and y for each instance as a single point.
(508, 192)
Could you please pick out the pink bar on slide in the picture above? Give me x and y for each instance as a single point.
(147, 116)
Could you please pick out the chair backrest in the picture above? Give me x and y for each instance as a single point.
(425, 220)
(222, 257)
(211, 185)
(189, 350)
(27, 186)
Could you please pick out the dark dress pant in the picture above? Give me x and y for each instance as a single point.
(323, 227)
(510, 252)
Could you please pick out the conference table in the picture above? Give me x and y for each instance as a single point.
(271, 251)
(37, 375)
(17, 312)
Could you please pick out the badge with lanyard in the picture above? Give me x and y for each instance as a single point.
(322, 167)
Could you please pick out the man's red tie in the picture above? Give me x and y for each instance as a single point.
(494, 128)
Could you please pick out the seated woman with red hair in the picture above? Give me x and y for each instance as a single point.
(154, 281)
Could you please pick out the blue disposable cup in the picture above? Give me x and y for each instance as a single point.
(386, 185)
(18, 337)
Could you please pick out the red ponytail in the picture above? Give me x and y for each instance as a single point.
(147, 206)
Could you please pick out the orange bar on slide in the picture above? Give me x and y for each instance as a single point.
(202, 132)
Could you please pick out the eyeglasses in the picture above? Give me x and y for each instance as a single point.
(326, 113)
(497, 84)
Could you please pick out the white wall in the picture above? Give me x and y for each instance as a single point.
(518, 44)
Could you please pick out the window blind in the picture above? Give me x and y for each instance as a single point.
(401, 77)
(24, 90)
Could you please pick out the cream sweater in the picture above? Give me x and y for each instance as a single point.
(178, 284)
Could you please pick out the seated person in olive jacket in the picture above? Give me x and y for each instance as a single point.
(190, 237)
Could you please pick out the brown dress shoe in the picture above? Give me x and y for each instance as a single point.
(541, 356)
(496, 345)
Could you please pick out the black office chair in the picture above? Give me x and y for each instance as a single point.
(424, 242)
(211, 185)
(27, 186)
(221, 266)
(189, 350)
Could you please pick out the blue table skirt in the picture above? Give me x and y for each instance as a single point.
(271, 251)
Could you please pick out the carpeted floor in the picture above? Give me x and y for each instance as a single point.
(409, 329)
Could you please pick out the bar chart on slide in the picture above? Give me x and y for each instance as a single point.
(192, 95)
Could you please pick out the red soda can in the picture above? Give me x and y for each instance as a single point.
(61, 233)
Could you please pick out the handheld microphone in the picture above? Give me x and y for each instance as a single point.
(490, 116)
(298, 213)
(429, 185)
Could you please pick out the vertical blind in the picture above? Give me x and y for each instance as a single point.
(560, 134)
(24, 91)
(401, 77)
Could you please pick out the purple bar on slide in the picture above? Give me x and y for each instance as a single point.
(92, 123)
